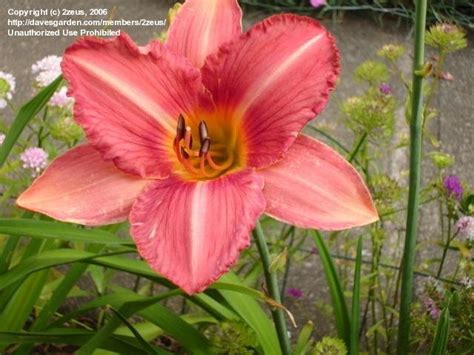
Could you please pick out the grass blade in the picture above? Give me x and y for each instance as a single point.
(440, 340)
(335, 289)
(182, 331)
(354, 340)
(304, 339)
(251, 312)
(138, 336)
(46, 260)
(116, 343)
(19, 308)
(24, 116)
(57, 230)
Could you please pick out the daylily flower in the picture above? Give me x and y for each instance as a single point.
(193, 140)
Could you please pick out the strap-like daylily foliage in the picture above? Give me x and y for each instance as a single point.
(192, 140)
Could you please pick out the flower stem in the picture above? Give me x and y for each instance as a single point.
(357, 147)
(416, 139)
(445, 250)
(273, 290)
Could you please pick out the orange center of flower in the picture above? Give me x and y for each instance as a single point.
(218, 150)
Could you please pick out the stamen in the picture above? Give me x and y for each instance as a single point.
(216, 166)
(203, 132)
(187, 156)
(180, 128)
(188, 138)
(189, 167)
(205, 146)
(184, 153)
(202, 167)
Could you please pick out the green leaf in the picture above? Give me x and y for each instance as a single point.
(189, 337)
(354, 338)
(148, 308)
(335, 289)
(440, 340)
(304, 339)
(24, 116)
(135, 332)
(251, 312)
(116, 300)
(214, 307)
(19, 308)
(48, 259)
(156, 314)
(57, 230)
(61, 292)
(116, 343)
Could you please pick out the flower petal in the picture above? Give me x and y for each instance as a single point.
(201, 26)
(80, 187)
(275, 78)
(192, 232)
(128, 99)
(314, 187)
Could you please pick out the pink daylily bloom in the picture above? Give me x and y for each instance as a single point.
(193, 140)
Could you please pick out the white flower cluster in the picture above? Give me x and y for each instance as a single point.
(7, 88)
(60, 98)
(467, 282)
(47, 69)
(34, 159)
(465, 228)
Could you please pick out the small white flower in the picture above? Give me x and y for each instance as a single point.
(465, 228)
(7, 88)
(434, 284)
(60, 98)
(47, 69)
(467, 282)
(34, 159)
(2, 138)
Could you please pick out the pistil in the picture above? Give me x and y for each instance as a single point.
(187, 156)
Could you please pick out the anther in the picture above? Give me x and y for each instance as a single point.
(180, 128)
(205, 146)
(203, 132)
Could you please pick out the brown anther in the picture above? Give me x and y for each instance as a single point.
(203, 132)
(184, 153)
(205, 146)
(180, 128)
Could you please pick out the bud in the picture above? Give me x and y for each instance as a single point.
(330, 346)
(446, 37)
(372, 72)
(66, 130)
(442, 160)
(391, 51)
(425, 71)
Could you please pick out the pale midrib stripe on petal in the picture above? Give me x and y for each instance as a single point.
(259, 87)
(140, 99)
(311, 186)
(207, 32)
(75, 190)
(198, 206)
